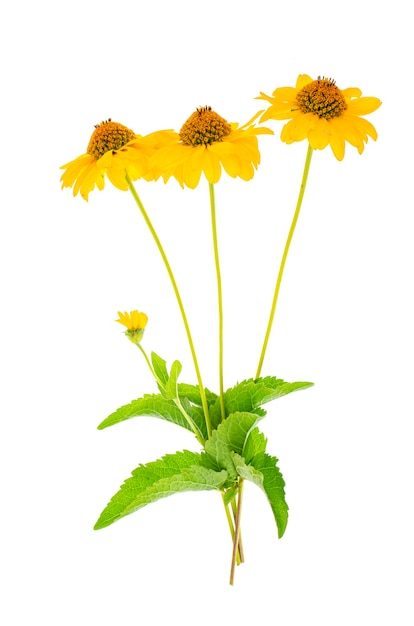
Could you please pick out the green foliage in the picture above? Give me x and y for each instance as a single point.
(215, 413)
(156, 405)
(160, 370)
(169, 405)
(173, 473)
(246, 396)
(192, 392)
(171, 389)
(230, 493)
(236, 448)
(255, 443)
(250, 394)
(248, 472)
(239, 448)
(273, 486)
(196, 414)
(230, 437)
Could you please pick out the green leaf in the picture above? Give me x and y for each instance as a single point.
(173, 473)
(249, 394)
(160, 368)
(273, 486)
(255, 443)
(215, 414)
(156, 405)
(192, 392)
(230, 493)
(197, 415)
(171, 390)
(230, 436)
(248, 472)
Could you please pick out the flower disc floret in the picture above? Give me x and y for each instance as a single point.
(107, 136)
(204, 127)
(323, 98)
(323, 114)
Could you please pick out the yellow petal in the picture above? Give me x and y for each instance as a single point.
(351, 92)
(319, 136)
(263, 96)
(302, 81)
(280, 112)
(133, 320)
(365, 126)
(86, 179)
(363, 106)
(285, 94)
(231, 164)
(298, 128)
(193, 166)
(350, 131)
(211, 166)
(117, 178)
(337, 141)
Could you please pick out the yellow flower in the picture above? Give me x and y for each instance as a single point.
(206, 143)
(323, 114)
(113, 150)
(135, 323)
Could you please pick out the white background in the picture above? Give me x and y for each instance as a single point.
(344, 320)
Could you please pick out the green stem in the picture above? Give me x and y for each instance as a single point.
(220, 298)
(284, 257)
(231, 526)
(241, 551)
(179, 300)
(236, 531)
(149, 363)
(189, 421)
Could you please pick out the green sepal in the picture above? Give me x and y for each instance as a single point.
(173, 473)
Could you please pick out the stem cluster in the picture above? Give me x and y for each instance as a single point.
(234, 508)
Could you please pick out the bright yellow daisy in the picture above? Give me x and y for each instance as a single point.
(323, 114)
(135, 323)
(113, 150)
(205, 144)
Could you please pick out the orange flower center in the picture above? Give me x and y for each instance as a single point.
(323, 98)
(204, 127)
(107, 136)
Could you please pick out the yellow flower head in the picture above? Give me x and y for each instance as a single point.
(135, 323)
(206, 143)
(323, 114)
(113, 150)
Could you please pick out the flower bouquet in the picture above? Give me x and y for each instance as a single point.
(231, 448)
